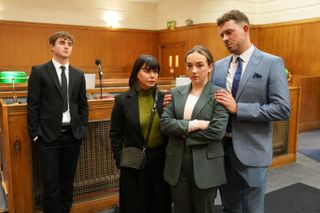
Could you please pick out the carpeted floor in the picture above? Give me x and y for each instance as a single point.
(296, 198)
(313, 153)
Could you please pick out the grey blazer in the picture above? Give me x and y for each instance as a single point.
(262, 97)
(207, 149)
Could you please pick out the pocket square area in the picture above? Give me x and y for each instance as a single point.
(256, 75)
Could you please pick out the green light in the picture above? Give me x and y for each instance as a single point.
(9, 77)
(13, 77)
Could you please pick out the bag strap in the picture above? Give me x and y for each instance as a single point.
(153, 112)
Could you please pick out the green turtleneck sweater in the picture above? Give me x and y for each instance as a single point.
(145, 101)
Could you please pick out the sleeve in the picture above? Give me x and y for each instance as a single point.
(33, 102)
(277, 106)
(217, 126)
(83, 102)
(117, 129)
(169, 124)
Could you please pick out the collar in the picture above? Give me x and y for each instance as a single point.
(148, 92)
(245, 56)
(57, 65)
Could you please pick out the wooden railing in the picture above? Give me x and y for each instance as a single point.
(310, 100)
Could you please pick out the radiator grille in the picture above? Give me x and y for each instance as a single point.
(280, 137)
(96, 172)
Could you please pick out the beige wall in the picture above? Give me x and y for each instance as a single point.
(144, 15)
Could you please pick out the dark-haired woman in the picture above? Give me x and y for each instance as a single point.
(141, 190)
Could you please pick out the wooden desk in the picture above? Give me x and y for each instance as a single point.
(285, 133)
(96, 184)
(310, 100)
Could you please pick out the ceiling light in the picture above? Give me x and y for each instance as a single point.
(112, 18)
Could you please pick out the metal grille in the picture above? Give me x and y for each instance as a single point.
(280, 137)
(96, 172)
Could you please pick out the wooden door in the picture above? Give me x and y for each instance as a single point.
(176, 52)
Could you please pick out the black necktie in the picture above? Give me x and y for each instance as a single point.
(64, 88)
(235, 85)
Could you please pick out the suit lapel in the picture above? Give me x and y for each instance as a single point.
(251, 67)
(53, 75)
(205, 97)
(181, 100)
(225, 71)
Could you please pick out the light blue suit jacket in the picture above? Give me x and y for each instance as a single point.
(262, 97)
(207, 149)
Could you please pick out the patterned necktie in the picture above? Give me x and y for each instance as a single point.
(64, 88)
(236, 78)
(235, 85)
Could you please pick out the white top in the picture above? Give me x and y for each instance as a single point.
(188, 108)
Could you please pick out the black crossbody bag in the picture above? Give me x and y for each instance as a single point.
(133, 157)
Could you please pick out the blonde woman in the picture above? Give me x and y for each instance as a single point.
(195, 124)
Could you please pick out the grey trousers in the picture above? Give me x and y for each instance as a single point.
(244, 191)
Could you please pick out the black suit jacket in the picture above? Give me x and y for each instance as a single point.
(125, 122)
(45, 102)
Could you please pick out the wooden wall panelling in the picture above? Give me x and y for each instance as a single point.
(204, 34)
(254, 35)
(295, 42)
(26, 44)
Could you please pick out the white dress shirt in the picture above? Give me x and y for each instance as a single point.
(65, 115)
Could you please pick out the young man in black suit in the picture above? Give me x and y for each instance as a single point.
(57, 121)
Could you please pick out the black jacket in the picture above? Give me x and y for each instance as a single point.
(125, 123)
(45, 102)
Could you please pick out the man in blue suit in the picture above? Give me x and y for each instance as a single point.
(256, 94)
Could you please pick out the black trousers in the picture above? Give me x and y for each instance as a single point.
(145, 191)
(58, 162)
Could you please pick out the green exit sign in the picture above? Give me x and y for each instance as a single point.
(171, 25)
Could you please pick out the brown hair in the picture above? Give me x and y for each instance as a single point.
(235, 15)
(65, 35)
(202, 51)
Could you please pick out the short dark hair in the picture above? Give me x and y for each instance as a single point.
(202, 51)
(235, 15)
(149, 61)
(65, 35)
